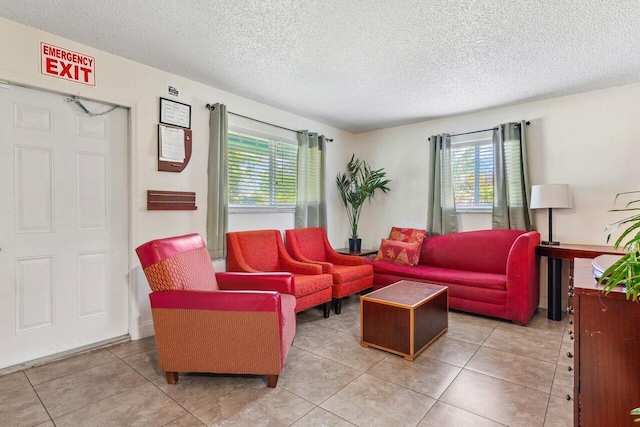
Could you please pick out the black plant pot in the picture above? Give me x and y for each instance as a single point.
(355, 245)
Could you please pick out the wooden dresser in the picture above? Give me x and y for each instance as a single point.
(607, 352)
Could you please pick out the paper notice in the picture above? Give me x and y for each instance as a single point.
(171, 144)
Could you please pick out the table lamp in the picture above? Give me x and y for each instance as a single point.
(550, 196)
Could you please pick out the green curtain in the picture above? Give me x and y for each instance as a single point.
(441, 209)
(311, 206)
(217, 212)
(511, 186)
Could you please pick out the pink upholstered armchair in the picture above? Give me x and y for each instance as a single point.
(350, 273)
(216, 322)
(263, 250)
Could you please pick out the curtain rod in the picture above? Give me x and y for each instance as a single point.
(482, 130)
(212, 107)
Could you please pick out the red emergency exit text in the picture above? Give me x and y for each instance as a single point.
(67, 64)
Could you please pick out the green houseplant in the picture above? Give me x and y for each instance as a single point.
(355, 186)
(625, 271)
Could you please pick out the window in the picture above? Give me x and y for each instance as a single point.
(472, 173)
(262, 172)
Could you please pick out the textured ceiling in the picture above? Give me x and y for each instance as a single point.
(364, 65)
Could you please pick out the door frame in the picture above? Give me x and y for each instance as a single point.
(68, 89)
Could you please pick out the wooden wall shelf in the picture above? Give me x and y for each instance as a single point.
(171, 200)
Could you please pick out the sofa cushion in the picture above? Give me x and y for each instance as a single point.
(402, 253)
(484, 251)
(347, 273)
(443, 275)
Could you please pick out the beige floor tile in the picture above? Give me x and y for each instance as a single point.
(66, 394)
(142, 405)
(346, 321)
(14, 382)
(70, 365)
(559, 412)
(310, 315)
(473, 319)
(443, 414)
(320, 417)
(21, 407)
(540, 322)
(133, 347)
(346, 349)
(450, 350)
(525, 342)
(501, 401)
(565, 350)
(250, 406)
(186, 421)
(369, 401)
(195, 390)
(550, 333)
(424, 375)
(562, 381)
(315, 378)
(46, 424)
(294, 353)
(311, 335)
(146, 364)
(472, 329)
(517, 369)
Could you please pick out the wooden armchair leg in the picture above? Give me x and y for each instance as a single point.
(172, 377)
(272, 380)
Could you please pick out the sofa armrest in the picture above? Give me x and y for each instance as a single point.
(217, 300)
(279, 282)
(523, 284)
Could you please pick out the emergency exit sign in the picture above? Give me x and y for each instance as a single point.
(67, 65)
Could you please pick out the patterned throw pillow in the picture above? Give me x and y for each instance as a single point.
(402, 253)
(409, 235)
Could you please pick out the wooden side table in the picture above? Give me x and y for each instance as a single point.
(555, 254)
(404, 318)
(363, 252)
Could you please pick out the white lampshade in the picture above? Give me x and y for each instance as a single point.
(550, 196)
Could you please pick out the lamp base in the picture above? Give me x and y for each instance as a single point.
(548, 243)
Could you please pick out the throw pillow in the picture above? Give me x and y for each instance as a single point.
(402, 253)
(410, 235)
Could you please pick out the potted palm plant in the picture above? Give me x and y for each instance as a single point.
(355, 186)
(625, 271)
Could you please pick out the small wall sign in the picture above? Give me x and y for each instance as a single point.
(173, 91)
(67, 64)
(175, 113)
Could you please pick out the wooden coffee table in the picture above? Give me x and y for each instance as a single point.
(404, 318)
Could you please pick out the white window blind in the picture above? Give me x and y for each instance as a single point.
(472, 173)
(262, 172)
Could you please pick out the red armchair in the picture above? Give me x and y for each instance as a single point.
(263, 251)
(216, 322)
(350, 273)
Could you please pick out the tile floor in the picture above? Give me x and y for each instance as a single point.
(482, 372)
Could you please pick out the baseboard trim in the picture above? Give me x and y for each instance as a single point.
(65, 354)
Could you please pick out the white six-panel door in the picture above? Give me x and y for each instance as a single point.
(63, 218)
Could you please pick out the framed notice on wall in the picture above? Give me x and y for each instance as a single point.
(175, 113)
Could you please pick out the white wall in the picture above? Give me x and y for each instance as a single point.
(590, 141)
(139, 87)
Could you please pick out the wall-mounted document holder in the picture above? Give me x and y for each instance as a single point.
(171, 200)
(174, 148)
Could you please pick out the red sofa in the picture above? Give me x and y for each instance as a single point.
(489, 272)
